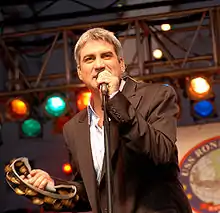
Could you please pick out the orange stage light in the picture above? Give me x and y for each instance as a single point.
(83, 100)
(67, 169)
(199, 88)
(17, 108)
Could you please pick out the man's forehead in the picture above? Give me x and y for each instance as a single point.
(96, 46)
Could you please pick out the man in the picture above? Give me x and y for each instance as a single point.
(142, 135)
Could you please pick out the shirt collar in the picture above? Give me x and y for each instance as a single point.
(91, 113)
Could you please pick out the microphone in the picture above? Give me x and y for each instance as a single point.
(104, 88)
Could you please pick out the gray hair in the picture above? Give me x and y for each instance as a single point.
(94, 35)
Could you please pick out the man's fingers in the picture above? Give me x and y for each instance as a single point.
(23, 177)
(38, 181)
(36, 176)
(33, 172)
(43, 184)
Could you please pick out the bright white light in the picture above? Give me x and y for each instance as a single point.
(200, 85)
(165, 27)
(157, 54)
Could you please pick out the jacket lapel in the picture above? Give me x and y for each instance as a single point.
(128, 91)
(84, 155)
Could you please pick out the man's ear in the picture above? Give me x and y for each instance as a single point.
(122, 64)
(79, 72)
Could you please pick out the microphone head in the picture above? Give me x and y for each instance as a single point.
(104, 88)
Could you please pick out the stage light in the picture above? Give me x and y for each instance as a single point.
(157, 53)
(165, 27)
(17, 108)
(203, 108)
(55, 106)
(83, 100)
(31, 128)
(200, 93)
(199, 87)
(59, 123)
(67, 169)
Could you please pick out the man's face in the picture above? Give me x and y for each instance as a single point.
(96, 56)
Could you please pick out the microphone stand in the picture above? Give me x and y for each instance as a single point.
(107, 150)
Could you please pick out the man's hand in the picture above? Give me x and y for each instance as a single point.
(39, 178)
(108, 78)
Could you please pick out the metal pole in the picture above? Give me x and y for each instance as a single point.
(108, 166)
(67, 62)
(193, 40)
(149, 53)
(139, 49)
(43, 68)
(17, 73)
(214, 22)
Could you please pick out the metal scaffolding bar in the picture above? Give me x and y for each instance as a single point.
(66, 58)
(215, 31)
(43, 68)
(107, 23)
(139, 48)
(151, 77)
(145, 63)
(193, 39)
(94, 12)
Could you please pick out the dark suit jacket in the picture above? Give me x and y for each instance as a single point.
(143, 152)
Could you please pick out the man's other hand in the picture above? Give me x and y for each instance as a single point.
(38, 178)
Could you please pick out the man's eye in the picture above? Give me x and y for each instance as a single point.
(107, 56)
(88, 59)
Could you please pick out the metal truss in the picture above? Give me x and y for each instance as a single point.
(90, 10)
(143, 31)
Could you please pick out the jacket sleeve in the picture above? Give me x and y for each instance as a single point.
(151, 131)
(83, 204)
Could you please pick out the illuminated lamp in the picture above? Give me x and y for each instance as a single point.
(17, 108)
(59, 123)
(203, 108)
(199, 88)
(55, 106)
(157, 53)
(83, 100)
(67, 169)
(165, 27)
(202, 98)
(31, 128)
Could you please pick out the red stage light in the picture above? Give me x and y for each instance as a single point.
(59, 123)
(83, 100)
(67, 169)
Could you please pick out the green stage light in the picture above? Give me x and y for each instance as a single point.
(55, 106)
(31, 128)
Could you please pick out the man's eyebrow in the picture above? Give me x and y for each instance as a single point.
(88, 55)
(107, 52)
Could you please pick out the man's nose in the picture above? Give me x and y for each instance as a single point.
(99, 64)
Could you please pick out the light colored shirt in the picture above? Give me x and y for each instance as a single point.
(97, 137)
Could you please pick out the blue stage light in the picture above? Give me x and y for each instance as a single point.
(203, 108)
